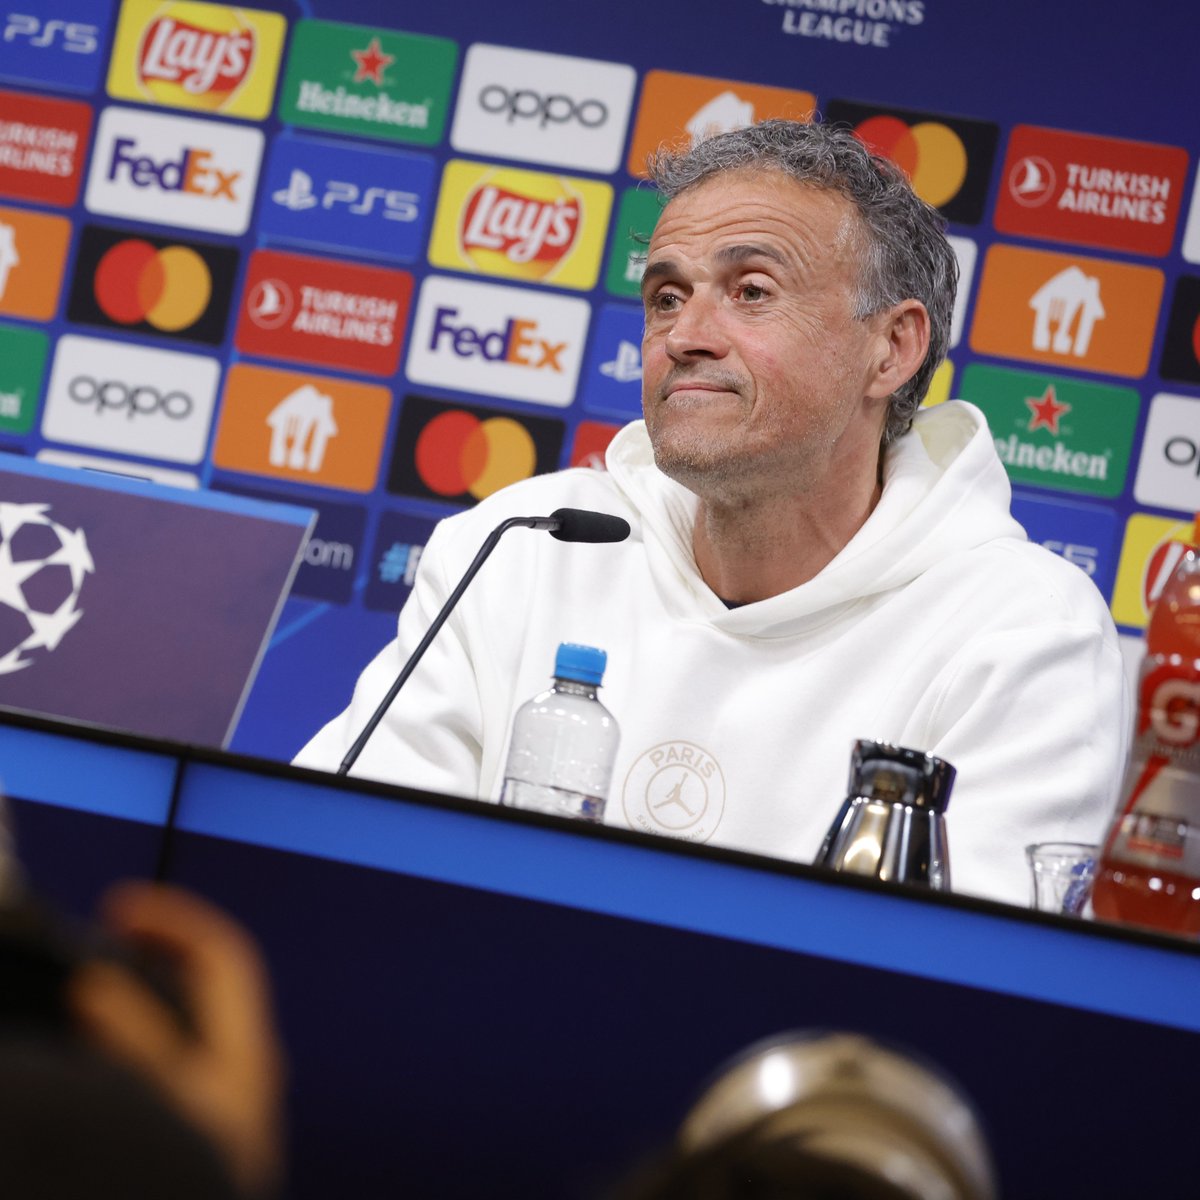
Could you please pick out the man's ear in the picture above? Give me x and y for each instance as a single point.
(903, 340)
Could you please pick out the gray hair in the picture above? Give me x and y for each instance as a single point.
(907, 255)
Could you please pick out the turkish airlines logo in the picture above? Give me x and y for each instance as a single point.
(318, 310)
(463, 453)
(547, 108)
(1031, 181)
(130, 399)
(1098, 191)
(163, 287)
(42, 147)
(174, 170)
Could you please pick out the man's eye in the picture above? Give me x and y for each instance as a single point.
(663, 301)
(752, 291)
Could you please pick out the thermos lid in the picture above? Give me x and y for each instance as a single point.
(583, 664)
(897, 775)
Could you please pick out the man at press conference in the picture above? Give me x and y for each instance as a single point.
(812, 561)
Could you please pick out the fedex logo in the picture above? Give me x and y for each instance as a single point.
(517, 342)
(498, 341)
(194, 171)
(174, 170)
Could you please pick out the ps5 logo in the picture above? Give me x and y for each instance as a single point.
(626, 367)
(76, 37)
(299, 196)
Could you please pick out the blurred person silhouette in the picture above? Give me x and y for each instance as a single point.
(824, 1116)
(114, 1084)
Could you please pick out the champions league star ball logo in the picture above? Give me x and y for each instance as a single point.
(42, 568)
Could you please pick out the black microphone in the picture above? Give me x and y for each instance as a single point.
(566, 524)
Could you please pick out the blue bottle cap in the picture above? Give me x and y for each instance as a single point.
(584, 664)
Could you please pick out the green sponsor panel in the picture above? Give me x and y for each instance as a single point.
(372, 82)
(636, 218)
(1056, 432)
(22, 366)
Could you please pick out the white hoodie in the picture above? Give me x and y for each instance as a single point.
(938, 627)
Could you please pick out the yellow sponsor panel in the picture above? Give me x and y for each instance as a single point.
(939, 385)
(206, 57)
(1147, 557)
(525, 225)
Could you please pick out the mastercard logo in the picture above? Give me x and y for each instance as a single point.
(463, 454)
(458, 453)
(168, 288)
(931, 154)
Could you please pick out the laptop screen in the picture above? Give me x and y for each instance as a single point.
(136, 606)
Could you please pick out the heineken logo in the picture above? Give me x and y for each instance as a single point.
(1052, 460)
(372, 82)
(371, 62)
(1056, 432)
(1046, 411)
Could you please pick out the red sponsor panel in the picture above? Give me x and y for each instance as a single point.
(591, 441)
(1094, 191)
(324, 311)
(43, 144)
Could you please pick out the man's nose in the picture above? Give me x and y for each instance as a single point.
(697, 330)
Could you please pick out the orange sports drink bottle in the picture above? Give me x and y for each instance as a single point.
(1149, 870)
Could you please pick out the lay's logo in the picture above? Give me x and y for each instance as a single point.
(520, 224)
(522, 229)
(193, 55)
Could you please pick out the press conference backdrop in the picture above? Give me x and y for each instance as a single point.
(380, 260)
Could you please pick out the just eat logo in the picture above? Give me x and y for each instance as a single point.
(174, 170)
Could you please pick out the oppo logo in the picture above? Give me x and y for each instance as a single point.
(1183, 452)
(553, 109)
(114, 396)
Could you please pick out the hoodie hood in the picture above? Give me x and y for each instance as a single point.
(944, 491)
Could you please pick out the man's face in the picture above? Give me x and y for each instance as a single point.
(756, 375)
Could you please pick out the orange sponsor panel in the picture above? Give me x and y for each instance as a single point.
(1085, 313)
(301, 426)
(678, 109)
(33, 249)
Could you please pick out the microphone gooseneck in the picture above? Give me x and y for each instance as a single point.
(566, 524)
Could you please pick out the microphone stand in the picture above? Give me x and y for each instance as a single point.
(549, 523)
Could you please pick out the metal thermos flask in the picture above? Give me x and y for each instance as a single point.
(892, 824)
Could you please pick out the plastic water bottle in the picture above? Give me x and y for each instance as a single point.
(564, 742)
